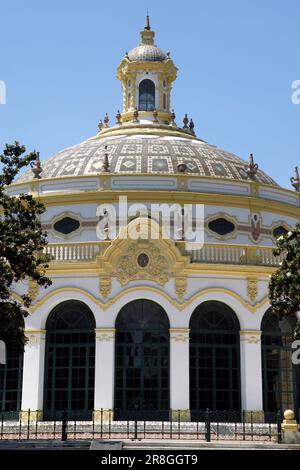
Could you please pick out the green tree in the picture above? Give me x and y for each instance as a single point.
(284, 287)
(22, 240)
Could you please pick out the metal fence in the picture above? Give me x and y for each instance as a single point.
(199, 425)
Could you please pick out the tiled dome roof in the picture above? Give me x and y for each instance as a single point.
(147, 52)
(146, 154)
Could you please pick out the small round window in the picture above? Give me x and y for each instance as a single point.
(66, 225)
(278, 231)
(221, 226)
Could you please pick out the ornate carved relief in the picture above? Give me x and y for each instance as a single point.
(33, 289)
(252, 288)
(105, 285)
(255, 226)
(130, 266)
(251, 337)
(180, 286)
(155, 258)
(105, 334)
(179, 334)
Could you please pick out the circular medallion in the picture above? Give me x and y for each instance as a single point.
(143, 260)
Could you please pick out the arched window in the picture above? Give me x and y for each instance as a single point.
(70, 361)
(142, 362)
(11, 375)
(214, 358)
(146, 95)
(278, 373)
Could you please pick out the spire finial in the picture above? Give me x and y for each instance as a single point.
(147, 27)
(295, 180)
(251, 168)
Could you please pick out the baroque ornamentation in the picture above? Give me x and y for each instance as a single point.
(252, 288)
(179, 334)
(33, 289)
(129, 268)
(105, 334)
(105, 285)
(255, 226)
(180, 286)
(251, 337)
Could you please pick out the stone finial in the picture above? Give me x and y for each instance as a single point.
(173, 117)
(185, 121)
(100, 125)
(106, 120)
(295, 180)
(289, 425)
(181, 167)
(36, 167)
(192, 126)
(135, 115)
(105, 166)
(118, 118)
(155, 115)
(251, 168)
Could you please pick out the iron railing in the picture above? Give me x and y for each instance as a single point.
(199, 425)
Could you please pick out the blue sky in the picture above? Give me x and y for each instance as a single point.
(237, 60)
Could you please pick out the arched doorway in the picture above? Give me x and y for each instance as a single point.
(11, 378)
(70, 361)
(279, 374)
(214, 358)
(142, 361)
(146, 95)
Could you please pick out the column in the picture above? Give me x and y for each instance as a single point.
(251, 371)
(104, 374)
(179, 373)
(33, 374)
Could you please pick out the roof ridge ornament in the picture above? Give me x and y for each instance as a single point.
(147, 27)
(251, 168)
(36, 166)
(295, 180)
(185, 121)
(106, 120)
(105, 166)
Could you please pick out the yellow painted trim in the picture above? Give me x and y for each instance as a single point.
(35, 332)
(105, 330)
(251, 332)
(179, 330)
(91, 267)
(180, 306)
(254, 204)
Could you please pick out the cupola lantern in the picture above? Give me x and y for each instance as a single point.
(146, 74)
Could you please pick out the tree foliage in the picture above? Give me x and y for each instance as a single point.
(284, 287)
(22, 240)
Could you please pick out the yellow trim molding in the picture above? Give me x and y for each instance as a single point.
(179, 306)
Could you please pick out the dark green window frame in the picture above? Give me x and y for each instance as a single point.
(279, 375)
(70, 362)
(142, 375)
(215, 382)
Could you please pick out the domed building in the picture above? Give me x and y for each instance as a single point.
(141, 324)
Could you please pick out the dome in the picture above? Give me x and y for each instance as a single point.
(148, 53)
(151, 154)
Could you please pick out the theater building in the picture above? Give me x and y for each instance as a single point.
(148, 325)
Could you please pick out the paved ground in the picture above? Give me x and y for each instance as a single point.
(149, 445)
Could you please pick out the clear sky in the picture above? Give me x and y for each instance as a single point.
(237, 60)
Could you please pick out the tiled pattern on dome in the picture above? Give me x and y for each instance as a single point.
(152, 155)
(147, 53)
